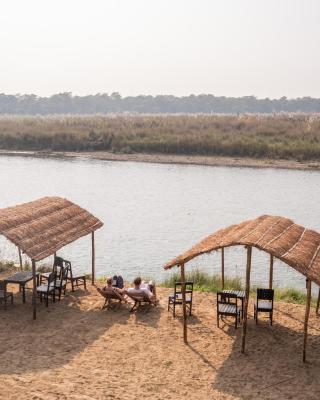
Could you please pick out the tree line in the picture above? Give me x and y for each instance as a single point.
(103, 103)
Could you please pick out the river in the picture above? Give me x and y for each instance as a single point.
(153, 212)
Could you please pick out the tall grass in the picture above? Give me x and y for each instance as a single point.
(212, 283)
(279, 136)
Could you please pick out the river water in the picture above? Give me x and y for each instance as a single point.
(153, 212)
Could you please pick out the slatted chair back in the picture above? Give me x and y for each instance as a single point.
(265, 294)
(51, 282)
(188, 291)
(58, 266)
(68, 269)
(227, 298)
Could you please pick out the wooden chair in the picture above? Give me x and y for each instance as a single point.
(75, 280)
(139, 297)
(176, 298)
(48, 289)
(264, 303)
(109, 295)
(227, 305)
(57, 268)
(4, 295)
(61, 282)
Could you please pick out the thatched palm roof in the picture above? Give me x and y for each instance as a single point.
(293, 244)
(40, 228)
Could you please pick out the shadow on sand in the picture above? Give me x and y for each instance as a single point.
(61, 331)
(272, 366)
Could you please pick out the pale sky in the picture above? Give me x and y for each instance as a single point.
(266, 48)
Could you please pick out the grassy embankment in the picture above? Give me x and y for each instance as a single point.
(282, 136)
(208, 283)
(202, 282)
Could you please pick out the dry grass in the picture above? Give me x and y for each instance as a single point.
(277, 137)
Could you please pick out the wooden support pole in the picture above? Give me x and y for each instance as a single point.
(271, 272)
(184, 306)
(222, 268)
(318, 303)
(34, 292)
(246, 300)
(306, 319)
(93, 261)
(20, 259)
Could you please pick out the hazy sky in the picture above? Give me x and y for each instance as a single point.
(267, 48)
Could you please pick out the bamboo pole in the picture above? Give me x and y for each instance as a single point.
(183, 289)
(93, 259)
(20, 258)
(306, 319)
(246, 300)
(222, 267)
(34, 292)
(271, 272)
(318, 303)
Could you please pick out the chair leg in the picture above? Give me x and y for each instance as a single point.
(190, 309)
(72, 285)
(85, 284)
(271, 316)
(174, 310)
(133, 307)
(218, 320)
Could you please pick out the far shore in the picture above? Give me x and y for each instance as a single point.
(214, 161)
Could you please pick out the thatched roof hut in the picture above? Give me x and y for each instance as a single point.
(293, 244)
(41, 227)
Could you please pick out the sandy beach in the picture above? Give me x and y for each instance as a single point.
(174, 159)
(76, 351)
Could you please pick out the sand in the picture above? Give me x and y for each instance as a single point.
(76, 351)
(175, 159)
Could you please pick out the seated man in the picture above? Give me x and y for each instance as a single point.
(148, 288)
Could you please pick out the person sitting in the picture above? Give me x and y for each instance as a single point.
(141, 286)
(108, 286)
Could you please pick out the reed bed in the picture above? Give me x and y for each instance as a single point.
(280, 136)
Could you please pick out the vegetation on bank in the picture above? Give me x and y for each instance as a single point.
(295, 137)
(212, 283)
(203, 282)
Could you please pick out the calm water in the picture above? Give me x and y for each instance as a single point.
(153, 212)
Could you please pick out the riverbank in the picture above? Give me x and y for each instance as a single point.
(243, 140)
(112, 354)
(213, 161)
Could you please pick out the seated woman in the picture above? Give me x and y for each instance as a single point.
(108, 287)
(141, 286)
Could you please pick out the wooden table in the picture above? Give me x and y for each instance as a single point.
(241, 294)
(21, 279)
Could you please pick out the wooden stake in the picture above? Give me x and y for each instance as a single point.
(246, 300)
(271, 272)
(306, 319)
(93, 259)
(20, 258)
(34, 292)
(184, 306)
(222, 267)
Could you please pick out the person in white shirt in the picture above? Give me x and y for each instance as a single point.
(148, 288)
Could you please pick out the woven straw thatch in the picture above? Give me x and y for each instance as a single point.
(42, 227)
(293, 244)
